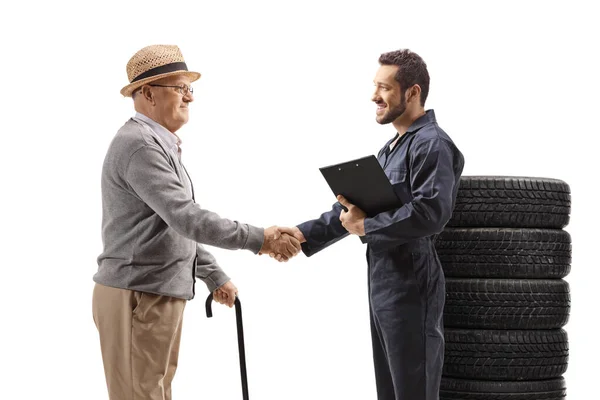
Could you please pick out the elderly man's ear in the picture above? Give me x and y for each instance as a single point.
(144, 92)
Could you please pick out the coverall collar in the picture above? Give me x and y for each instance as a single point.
(420, 122)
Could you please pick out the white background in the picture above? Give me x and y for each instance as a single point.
(285, 89)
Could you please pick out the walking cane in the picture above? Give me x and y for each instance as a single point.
(240, 334)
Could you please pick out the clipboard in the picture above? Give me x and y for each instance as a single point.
(364, 183)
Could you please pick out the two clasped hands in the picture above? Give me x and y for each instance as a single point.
(283, 243)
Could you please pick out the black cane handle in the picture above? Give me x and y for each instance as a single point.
(240, 334)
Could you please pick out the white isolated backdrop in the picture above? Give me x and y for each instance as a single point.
(285, 89)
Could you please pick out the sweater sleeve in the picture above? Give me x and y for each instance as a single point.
(154, 180)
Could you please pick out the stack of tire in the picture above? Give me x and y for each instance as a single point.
(504, 254)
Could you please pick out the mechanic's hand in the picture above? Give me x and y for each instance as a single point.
(352, 220)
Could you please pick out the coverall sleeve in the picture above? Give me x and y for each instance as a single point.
(432, 180)
(323, 232)
(208, 270)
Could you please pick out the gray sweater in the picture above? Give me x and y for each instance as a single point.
(152, 230)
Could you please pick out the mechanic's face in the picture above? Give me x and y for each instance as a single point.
(390, 99)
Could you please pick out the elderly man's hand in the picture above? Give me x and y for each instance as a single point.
(286, 246)
(226, 294)
(352, 220)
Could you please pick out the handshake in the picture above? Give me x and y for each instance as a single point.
(282, 243)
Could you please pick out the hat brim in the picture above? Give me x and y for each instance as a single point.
(132, 87)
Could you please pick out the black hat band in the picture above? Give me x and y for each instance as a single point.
(163, 69)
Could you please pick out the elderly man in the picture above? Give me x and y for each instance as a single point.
(406, 281)
(153, 231)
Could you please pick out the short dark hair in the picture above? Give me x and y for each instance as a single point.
(411, 70)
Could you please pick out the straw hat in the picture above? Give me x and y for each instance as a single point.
(155, 62)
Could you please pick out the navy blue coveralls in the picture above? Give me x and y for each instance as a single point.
(406, 281)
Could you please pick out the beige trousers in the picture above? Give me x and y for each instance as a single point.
(139, 339)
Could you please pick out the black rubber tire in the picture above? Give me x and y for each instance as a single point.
(461, 389)
(506, 303)
(505, 355)
(504, 252)
(512, 202)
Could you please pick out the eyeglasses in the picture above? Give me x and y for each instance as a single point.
(183, 89)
